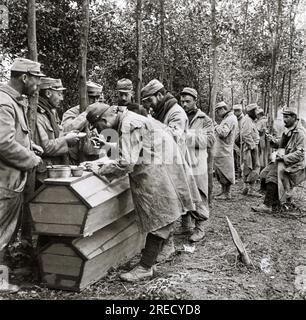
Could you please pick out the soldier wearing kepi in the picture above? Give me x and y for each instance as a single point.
(288, 168)
(126, 95)
(158, 177)
(237, 108)
(175, 121)
(224, 149)
(249, 151)
(17, 153)
(74, 120)
(200, 140)
(49, 133)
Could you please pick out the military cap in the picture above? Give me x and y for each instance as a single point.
(190, 91)
(221, 104)
(260, 110)
(237, 107)
(151, 88)
(93, 89)
(27, 66)
(124, 85)
(290, 110)
(96, 111)
(251, 107)
(51, 83)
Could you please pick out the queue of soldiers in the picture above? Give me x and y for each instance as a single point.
(166, 186)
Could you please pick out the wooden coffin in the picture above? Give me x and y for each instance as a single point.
(73, 264)
(77, 207)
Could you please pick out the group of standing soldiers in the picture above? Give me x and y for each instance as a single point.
(163, 146)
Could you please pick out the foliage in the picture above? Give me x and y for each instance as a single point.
(245, 28)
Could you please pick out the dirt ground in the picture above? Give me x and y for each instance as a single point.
(276, 244)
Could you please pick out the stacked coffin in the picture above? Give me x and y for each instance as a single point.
(85, 227)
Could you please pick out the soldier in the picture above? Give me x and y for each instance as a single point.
(126, 97)
(262, 127)
(288, 168)
(17, 153)
(237, 146)
(158, 177)
(74, 120)
(49, 133)
(249, 151)
(200, 140)
(167, 110)
(224, 149)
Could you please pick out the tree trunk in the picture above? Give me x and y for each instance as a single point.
(32, 46)
(25, 222)
(162, 39)
(83, 98)
(139, 49)
(213, 93)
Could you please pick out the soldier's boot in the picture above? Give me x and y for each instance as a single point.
(252, 192)
(222, 191)
(137, 274)
(226, 195)
(198, 233)
(262, 208)
(167, 251)
(5, 286)
(186, 225)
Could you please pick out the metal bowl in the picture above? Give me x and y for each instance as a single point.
(77, 171)
(59, 171)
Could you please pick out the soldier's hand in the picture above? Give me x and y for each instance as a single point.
(72, 138)
(270, 137)
(37, 149)
(38, 161)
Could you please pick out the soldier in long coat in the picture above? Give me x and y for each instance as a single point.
(262, 127)
(249, 151)
(200, 140)
(237, 108)
(49, 133)
(225, 133)
(17, 152)
(158, 177)
(287, 170)
(175, 121)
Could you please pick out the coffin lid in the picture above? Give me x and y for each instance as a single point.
(91, 189)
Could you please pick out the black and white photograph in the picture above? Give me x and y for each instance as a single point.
(152, 150)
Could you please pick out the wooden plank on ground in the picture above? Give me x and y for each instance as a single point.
(238, 243)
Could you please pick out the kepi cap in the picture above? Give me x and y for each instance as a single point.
(220, 105)
(93, 89)
(190, 91)
(27, 66)
(237, 107)
(290, 110)
(251, 107)
(96, 111)
(51, 83)
(124, 85)
(151, 88)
